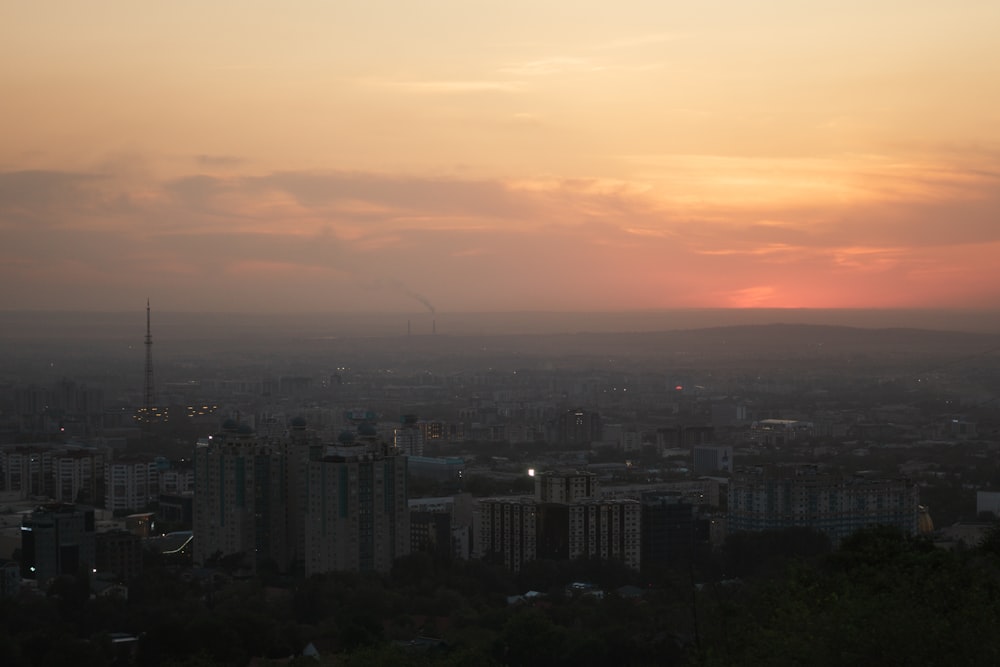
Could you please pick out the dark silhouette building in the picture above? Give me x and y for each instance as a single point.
(57, 539)
(565, 520)
(119, 552)
(431, 532)
(668, 528)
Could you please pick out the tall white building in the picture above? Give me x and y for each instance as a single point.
(79, 476)
(27, 470)
(176, 480)
(129, 484)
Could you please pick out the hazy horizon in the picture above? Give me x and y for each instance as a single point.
(68, 324)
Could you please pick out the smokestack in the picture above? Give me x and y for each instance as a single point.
(434, 327)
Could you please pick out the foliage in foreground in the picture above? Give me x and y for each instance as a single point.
(881, 598)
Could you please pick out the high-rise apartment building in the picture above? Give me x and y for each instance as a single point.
(409, 438)
(79, 476)
(506, 532)
(565, 520)
(590, 528)
(176, 480)
(776, 497)
(357, 516)
(297, 503)
(224, 494)
(27, 471)
(441, 525)
(64, 473)
(242, 499)
(130, 484)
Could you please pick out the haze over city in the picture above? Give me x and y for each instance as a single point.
(455, 157)
(464, 332)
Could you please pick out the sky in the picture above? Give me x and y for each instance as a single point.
(471, 155)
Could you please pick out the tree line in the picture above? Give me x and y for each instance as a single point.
(779, 598)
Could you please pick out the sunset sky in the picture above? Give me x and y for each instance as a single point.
(471, 155)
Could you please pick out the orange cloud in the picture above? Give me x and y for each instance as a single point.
(302, 238)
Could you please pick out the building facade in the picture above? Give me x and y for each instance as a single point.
(505, 531)
(566, 519)
(590, 528)
(247, 497)
(778, 497)
(357, 516)
(28, 470)
(427, 527)
(63, 473)
(297, 503)
(409, 438)
(566, 487)
(224, 494)
(130, 484)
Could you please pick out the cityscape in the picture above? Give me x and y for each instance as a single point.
(701, 459)
(499, 334)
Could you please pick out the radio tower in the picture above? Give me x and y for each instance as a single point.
(147, 396)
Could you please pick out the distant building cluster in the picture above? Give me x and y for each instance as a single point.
(95, 476)
(293, 501)
(63, 539)
(62, 407)
(778, 432)
(632, 460)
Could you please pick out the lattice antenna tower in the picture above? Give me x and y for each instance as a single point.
(147, 396)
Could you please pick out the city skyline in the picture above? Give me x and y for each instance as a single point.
(320, 157)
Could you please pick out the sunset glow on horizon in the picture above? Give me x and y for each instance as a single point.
(486, 156)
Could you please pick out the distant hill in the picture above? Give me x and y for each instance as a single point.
(180, 335)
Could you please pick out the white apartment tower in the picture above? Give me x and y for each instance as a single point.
(129, 484)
